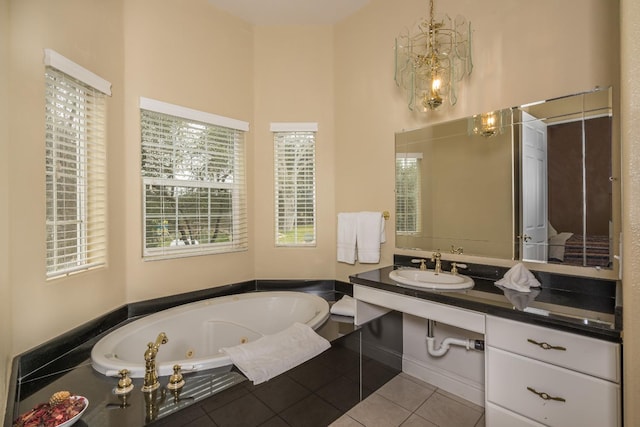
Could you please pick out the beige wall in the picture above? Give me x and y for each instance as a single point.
(630, 135)
(43, 309)
(185, 53)
(294, 83)
(5, 286)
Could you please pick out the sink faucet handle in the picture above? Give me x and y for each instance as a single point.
(455, 266)
(422, 261)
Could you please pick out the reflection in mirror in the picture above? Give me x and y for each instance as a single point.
(454, 190)
(566, 180)
(538, 186)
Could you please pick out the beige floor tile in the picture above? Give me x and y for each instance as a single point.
(345, 421)
(416, 421)
(376, 411)
(392, 406)
(416, 380)
(461, 400)
(444, 411)
(406, 393)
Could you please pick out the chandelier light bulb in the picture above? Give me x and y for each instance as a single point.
(433, 100)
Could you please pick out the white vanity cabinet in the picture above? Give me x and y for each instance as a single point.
(539, 376)
(534, 375)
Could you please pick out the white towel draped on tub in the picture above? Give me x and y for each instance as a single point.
(360, 236)
(271, 355)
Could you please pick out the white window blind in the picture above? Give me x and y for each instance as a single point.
(295, 184)
(75, 174)
(194, 191)
(408, 191)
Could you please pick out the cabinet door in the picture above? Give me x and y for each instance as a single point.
(579, 353)
(495, 416)
(549, 394)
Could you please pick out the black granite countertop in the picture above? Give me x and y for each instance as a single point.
(579, 305)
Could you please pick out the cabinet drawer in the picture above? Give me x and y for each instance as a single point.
(583, 354)
(495, 416)
(512, 381)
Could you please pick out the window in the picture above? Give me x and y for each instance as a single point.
(295, 183)
(75, 167)
(193, 182)
(408, 190)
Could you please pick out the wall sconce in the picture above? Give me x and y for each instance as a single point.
(488, 124)
(431, 61)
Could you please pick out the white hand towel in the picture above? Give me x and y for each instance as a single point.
(345, 307)
(370, 235)
(519, 279)
(271, 355)
(347, 228)
(520, 300)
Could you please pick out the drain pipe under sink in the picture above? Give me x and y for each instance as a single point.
(469, 344)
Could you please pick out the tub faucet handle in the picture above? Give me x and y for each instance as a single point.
(176, 381)
(125, 385)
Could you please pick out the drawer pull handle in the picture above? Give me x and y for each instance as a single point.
(547, 346)
(545, 396)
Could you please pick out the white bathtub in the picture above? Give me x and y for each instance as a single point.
(197, 331)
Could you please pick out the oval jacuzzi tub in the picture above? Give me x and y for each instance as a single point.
(197, 331)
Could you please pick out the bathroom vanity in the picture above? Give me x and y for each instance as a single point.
(552, 360)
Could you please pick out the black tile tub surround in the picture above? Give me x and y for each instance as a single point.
(64, 363)
(580, 305)
(313, 394)
(44, 360)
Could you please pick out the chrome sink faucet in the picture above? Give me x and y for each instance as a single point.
(435, 257)
(151, 373)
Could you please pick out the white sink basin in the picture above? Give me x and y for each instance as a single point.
(430, 279)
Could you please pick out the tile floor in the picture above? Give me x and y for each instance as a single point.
(406, 401)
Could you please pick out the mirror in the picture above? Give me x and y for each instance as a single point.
(455, 190)
(532, 183)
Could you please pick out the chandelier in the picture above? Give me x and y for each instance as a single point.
(431, 61)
